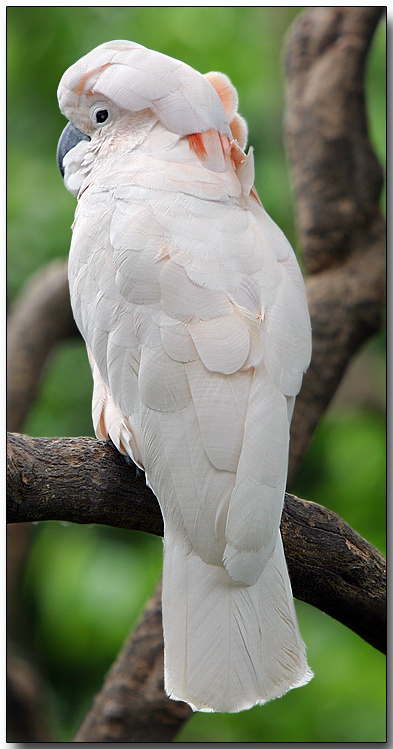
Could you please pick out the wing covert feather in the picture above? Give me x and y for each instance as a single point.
(186, 484)
(287, 334)
(185, 301)
(222, 436)
(223, 344)
(256, 502)
(163, 385)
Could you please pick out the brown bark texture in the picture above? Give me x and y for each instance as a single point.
(337, 185)
(83, 480)
(337, 182)
(39, 320)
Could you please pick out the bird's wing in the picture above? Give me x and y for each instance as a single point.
(183, 301)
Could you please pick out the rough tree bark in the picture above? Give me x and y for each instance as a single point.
(41, 319)
(83, 480)
(337, 182)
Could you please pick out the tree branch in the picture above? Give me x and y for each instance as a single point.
(40, 318)
(337, 182)
(83, 480)
(132, 705)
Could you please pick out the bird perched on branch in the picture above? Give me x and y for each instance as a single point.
(193, 309)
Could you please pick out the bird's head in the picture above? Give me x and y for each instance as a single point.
(122, 82)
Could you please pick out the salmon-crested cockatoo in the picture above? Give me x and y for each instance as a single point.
(193, 309)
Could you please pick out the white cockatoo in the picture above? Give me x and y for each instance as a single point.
(193, 309)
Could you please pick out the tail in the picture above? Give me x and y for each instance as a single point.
(229, 646)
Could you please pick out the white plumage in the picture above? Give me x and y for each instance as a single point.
(193, 309)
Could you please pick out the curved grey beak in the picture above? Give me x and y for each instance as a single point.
(69, 138)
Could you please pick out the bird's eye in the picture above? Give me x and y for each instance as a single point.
(101, 116)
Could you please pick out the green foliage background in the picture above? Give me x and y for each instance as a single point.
(84, 587)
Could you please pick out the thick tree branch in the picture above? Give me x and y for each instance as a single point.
(337, 181)
(336, 175)
(83, 480)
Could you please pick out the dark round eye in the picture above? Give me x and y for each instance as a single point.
(101, 116)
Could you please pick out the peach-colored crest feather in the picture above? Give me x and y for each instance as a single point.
(197, 145)
(83, 80)
(229, 99)
(200, 142)
(226, 92)
(239, 130)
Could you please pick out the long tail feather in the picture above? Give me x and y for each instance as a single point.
(229, 646)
